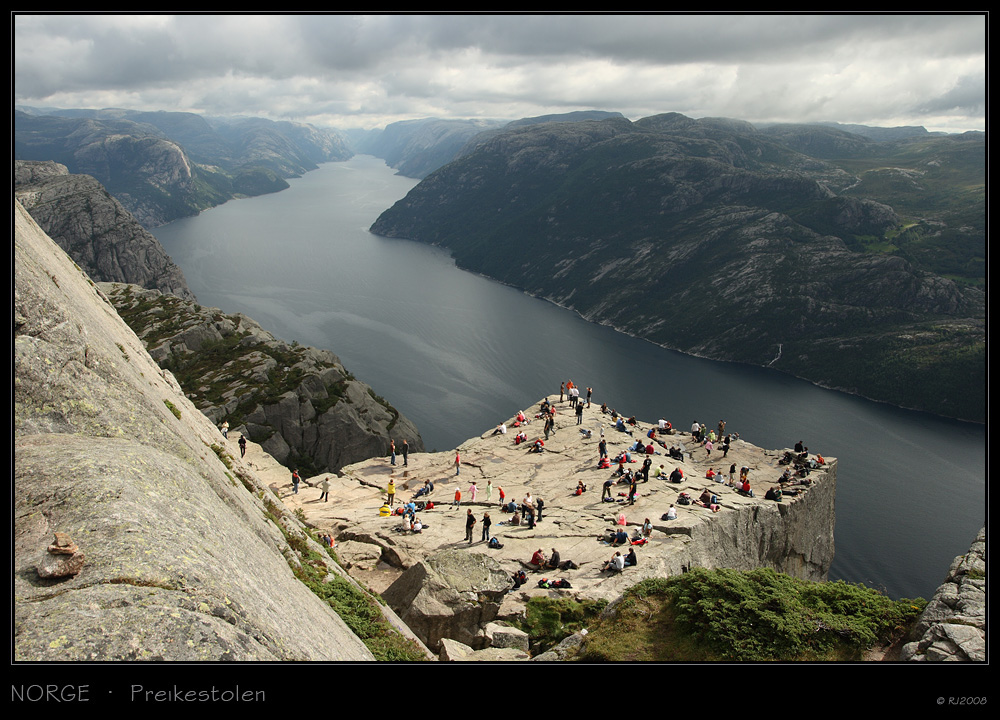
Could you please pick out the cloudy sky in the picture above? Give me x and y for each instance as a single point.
(352, 71)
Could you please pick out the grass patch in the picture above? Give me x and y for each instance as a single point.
(172, 408)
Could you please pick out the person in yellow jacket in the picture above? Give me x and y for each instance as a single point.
(391, 491)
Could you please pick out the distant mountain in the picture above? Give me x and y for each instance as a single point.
(94, 229)
(166, 165)
(416, 148)
(714, 238)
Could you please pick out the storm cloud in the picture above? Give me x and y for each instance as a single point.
(367, 71)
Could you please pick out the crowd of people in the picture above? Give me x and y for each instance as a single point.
(643, 450)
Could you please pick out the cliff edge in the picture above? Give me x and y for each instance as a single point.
(794, 536)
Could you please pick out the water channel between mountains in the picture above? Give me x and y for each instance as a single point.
(457, 353)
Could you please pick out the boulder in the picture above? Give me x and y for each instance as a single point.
(451, 594)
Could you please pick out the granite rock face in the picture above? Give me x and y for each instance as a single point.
(184, 556)
(953, 625)
(94, 229)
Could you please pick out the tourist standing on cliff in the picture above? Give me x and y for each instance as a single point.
(486, 525)
(406, 452)
(489, 491)
(390, 491)
(470, 522)
(392, 452)
(225, 429)
(324, 485)
(579, 414)
(458, 463)
(295, 481)
(562, 390)
(458, 497)
(473, 490)
(590, 391)
(243, 445)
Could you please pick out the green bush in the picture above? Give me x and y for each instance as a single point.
(759, 615)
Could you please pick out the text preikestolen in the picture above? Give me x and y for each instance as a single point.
(181, 695)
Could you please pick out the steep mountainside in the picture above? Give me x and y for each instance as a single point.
(712, 238)
(95, 230)
(144, 159)
(299, 403)
(168, 549)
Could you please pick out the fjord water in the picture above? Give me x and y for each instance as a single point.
(458, 353)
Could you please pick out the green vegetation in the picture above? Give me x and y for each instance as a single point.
(172, 408)
(224, 456)
(549, 620)
(759, 615)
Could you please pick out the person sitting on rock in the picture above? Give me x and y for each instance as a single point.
(537, 560)
(425, 490)
(553, 561)
(630, 560)
(615, 564)
(773, 494)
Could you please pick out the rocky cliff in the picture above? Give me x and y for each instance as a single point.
(298, 402)
(167, 165)
(136, 535)
(101, 236)
(953, 625)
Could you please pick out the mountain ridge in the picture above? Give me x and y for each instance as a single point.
(708, 238)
